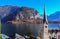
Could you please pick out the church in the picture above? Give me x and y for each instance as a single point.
(45, 27)
(52, 33)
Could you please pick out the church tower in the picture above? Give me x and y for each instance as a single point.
(45, 26)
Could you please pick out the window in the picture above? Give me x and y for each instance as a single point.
(45, 26)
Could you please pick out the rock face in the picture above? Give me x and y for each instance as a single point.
(28, 13)
(8, 12)
(12, 12)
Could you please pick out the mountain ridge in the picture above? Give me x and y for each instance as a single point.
(10, 12)
(55, 16)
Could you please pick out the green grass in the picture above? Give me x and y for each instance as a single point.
(0, 36)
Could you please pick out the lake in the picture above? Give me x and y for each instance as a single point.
(22, 29)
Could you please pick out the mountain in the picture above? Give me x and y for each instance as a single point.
(5, 10)
(55, 16)
(8, 13)
(26, 12)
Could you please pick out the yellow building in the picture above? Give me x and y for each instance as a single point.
(38, 37)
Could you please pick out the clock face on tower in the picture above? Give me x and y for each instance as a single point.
(45, 25)
(45, 28)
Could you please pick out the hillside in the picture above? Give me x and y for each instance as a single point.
(8, 13)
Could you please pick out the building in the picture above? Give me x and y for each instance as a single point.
(53, 33)
(45, 27)
(5, 36)
(17, 36)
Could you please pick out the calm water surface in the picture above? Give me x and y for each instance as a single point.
(11, 29)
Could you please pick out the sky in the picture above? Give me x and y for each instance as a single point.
(51, 5)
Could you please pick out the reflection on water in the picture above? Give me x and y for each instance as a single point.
(23, 29)
(11, 29)
(8, 29)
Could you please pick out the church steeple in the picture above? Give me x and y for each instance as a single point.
(45, 18)
(45, 26)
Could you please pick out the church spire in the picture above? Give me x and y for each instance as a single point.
(45, 18)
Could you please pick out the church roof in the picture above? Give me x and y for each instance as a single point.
(45, 18)
(53, 30)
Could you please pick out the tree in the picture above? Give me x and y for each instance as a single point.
(0, 30)
(30, 34)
